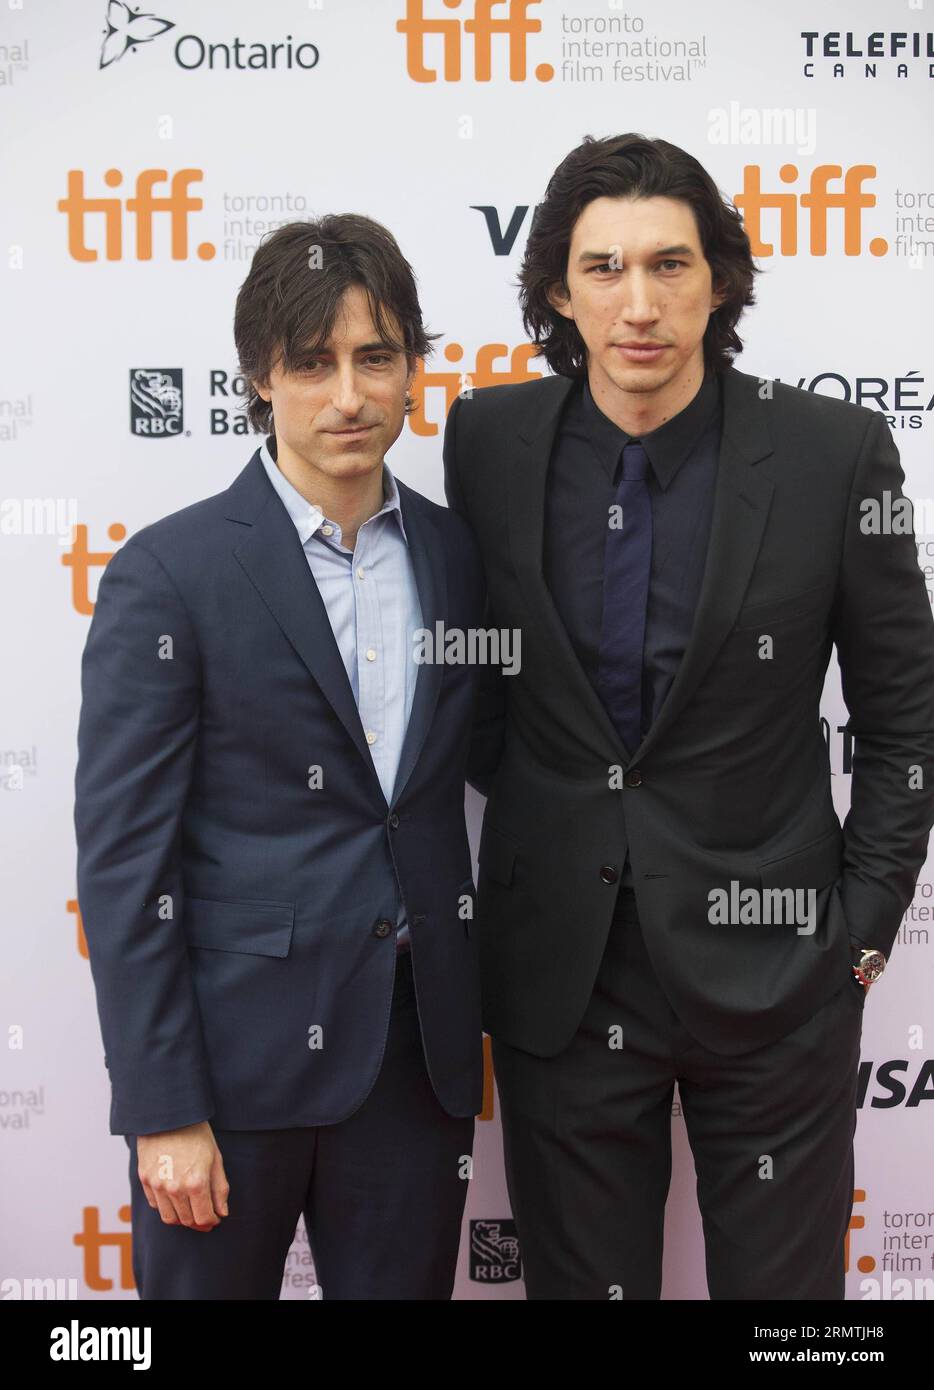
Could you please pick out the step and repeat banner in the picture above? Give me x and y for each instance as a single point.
(145, 153)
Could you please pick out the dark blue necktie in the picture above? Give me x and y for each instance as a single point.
(626, 567)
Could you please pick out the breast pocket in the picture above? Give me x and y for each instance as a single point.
(761, 616)
(777, 647)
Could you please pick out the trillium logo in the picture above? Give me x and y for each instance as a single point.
(126, 29)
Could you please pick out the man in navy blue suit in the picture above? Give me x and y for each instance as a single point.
(273, 866)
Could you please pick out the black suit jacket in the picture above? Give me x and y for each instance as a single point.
(731, 783)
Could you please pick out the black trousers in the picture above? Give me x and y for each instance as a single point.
(587, 1138)
(382, 1193)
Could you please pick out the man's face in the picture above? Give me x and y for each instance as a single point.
(343, 407)
(636, 275)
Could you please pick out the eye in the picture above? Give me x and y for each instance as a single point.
(605, 265)
(380, 357)
(671, 263)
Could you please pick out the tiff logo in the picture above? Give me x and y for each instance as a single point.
(851, 199)
(143, 206)
(514, 26)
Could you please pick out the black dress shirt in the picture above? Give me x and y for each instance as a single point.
(583, 474)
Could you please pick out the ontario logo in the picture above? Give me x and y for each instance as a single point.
(156, 404)
(127, 28)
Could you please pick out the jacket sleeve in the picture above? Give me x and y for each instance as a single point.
(140, 684)
(884, 633)
(489, 726)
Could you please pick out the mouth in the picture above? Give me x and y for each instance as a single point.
(641, 352)
(360, 433)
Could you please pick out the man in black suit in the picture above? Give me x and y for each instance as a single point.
(665, 891)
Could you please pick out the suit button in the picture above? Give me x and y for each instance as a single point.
(383, 927)
(609, 874)
(394, 821)
(632, 778)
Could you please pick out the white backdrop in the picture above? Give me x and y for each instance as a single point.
(328, 107)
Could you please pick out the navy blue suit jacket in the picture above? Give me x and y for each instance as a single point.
(233, 912)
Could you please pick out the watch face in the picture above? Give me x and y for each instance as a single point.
(872, 965)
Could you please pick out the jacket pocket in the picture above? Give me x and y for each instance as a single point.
(811, 866)
(497, 856)
(259, 927)
(467, 890)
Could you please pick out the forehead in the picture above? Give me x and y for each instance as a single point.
(353, 323)
(642, 224)
(354, 319)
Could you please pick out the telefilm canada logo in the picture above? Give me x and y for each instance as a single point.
(849, 53)
(127, 29)
(156, 402)
(494, 1252)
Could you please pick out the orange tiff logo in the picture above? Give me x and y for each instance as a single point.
(514, 26)
(143, 205)
(92, 1240)
(851, 199)
(80, 560)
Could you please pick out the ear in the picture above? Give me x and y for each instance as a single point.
(716, 299)
(559, 299)
(262, 389)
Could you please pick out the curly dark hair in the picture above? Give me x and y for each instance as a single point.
(630, 166)
(287, 305)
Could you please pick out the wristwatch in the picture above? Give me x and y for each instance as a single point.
(869, 966)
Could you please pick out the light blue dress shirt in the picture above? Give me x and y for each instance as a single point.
(374, 610)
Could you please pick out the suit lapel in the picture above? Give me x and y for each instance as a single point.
(742, 498)
(427, 552)
(272, 555)
(741, 504)
(525, 488)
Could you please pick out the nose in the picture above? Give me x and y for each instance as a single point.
(639, 306)
(347, 397)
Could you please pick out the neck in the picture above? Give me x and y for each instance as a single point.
(349, 501)
(640, 412)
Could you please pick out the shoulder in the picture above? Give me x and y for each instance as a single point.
(832, 419)
(188, 530)
(453, 533)
(488, 406)
(172, 552)
(452, 527)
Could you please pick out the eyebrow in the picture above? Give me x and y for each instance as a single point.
(606, 255)
(365, 347)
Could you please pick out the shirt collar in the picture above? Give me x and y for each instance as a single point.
(306, 516)
(667, 446)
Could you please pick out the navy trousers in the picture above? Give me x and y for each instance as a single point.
(382, 1193)
(587, 1139)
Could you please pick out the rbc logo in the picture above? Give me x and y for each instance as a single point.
(494, 1252)
(156, 407)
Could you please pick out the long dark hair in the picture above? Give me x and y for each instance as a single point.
(289, 300)
(631, 166)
